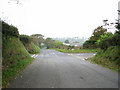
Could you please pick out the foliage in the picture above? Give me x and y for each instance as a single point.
(35, 40)
(91, 42)
(9, 74)
(25, 39)
(37, 35)
(32, 48)
(108, 40)
(97, 33)
(38, 39)
(109, 55)
(70, 47)
(104, 41)
(66, 41)
(109, 58)
(14, 58)
(58, 44)
(118, 26)
(30, 43)
(115, 39)
(49, 43)
(9, 30)
(13, 51)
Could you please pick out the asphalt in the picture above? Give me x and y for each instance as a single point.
(53, 69)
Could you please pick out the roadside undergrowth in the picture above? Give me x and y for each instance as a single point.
(11, 73)
(14, 59)
(109, 58)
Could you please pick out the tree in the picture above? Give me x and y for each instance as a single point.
(58, 44)
(66, 41)
(91, 42)
(104, 41)
(49, 43)
(97, 33)
(39, 38)
(37, 35)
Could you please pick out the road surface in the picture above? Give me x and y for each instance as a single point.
(53, 69)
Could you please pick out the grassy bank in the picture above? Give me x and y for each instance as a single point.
(77, 50)
(30, 43)
(14, 58)
(9, 74)
(109, 58)
(32, 48)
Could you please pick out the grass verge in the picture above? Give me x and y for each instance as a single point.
(78, 50)
(109, 59)
(9, 74)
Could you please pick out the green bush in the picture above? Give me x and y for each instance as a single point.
(115, 39)
(108, 40)
(9, 30)
(104, 41)
(89, 44)
(118, 26)
(25, 39)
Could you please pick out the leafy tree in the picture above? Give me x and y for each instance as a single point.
(97, 33)
(104, 41)
(39, 38)
(66, 41)
(37, 35)
(91, 42)
(58, 44)
(49, 43)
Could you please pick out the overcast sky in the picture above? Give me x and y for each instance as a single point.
(59, 18)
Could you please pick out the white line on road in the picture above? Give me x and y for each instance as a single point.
(34, 56)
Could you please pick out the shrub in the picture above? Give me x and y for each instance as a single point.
(89, 44)
(104, 41)
(115, 39)
(9, 30)
(25, 39)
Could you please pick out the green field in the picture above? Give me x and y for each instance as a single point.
(78, 50)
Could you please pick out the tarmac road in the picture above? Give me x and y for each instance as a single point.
(53, 69)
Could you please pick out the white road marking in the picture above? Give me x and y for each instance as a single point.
(34, 56)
